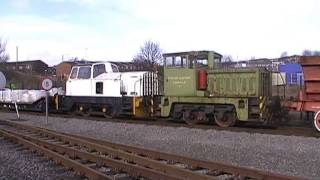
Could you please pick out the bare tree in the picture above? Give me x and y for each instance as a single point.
(4, 57)
(74, 59)
(307, 52)
(316, 53)
(150, 53)
(284, 54)
(227, 58)
(310, 53)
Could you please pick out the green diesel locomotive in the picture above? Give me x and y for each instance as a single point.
(197, 90)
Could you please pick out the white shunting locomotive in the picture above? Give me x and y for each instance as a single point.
(92, 88)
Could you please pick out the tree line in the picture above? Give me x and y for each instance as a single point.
(150, 54)
(4, 56)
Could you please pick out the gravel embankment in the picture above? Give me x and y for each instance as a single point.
(17, 162)
(290, 155)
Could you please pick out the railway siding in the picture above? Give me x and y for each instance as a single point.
(19, 162)
(288, 155)
(72, 150)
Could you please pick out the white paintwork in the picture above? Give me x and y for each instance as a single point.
(78, 87)
(113, 83)
(87, 87)
(2, 80)
(23, 96)
(132, 82)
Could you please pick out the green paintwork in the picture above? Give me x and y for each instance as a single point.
(233, 83)
(223, 86)
(242, 113)
(180, 82)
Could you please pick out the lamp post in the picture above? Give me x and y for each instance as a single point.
(85, 53)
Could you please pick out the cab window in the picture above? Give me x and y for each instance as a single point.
(169, 61)
(84, 73)
(74, 73)
(202, 63)
(98, 69)
(176, 61)
(114, 68)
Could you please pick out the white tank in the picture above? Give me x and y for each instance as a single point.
(2, 80)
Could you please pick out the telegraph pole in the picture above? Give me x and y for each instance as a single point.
(85, 53)
(17, 53)
(17, 56)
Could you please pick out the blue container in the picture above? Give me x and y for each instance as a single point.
(293, 72)
(290, 68)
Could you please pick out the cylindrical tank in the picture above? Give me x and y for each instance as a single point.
(202, 79)
(2, 80)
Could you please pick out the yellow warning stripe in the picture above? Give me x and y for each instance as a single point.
(134, 105)
(262, 105)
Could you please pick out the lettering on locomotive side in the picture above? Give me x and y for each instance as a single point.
(179, 78)
(179, 82)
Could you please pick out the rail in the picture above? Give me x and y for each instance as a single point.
(91, 157)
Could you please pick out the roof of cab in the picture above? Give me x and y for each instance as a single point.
(190, 53)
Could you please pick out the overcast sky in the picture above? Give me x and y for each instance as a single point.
(115, 29)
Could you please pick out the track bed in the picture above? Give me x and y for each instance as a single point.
(97, 159)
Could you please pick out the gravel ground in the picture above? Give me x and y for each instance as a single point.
(17, 162)
(290, 155)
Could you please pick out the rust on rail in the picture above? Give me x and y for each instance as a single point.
(149, 159)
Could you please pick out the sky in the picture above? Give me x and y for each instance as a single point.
(56, 30)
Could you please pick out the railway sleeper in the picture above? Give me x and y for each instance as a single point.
(212, 166)
(117, 166)
(120, 156)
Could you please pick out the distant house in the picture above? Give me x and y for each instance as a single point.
(270, 64)
(50, 71)
(30, 67)
(232, 64)
(284, 60)
(63, 69)
(263, 62)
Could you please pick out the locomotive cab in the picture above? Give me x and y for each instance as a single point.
(185, 72)
(88, 80)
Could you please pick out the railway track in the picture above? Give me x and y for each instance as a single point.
(97, 159)
(303, 130)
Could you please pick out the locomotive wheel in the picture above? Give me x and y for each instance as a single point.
(317, 121)
(84, 113)
(228, 119)
(109, 115)
(189, 117)
(177, 116)
(194, 117)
